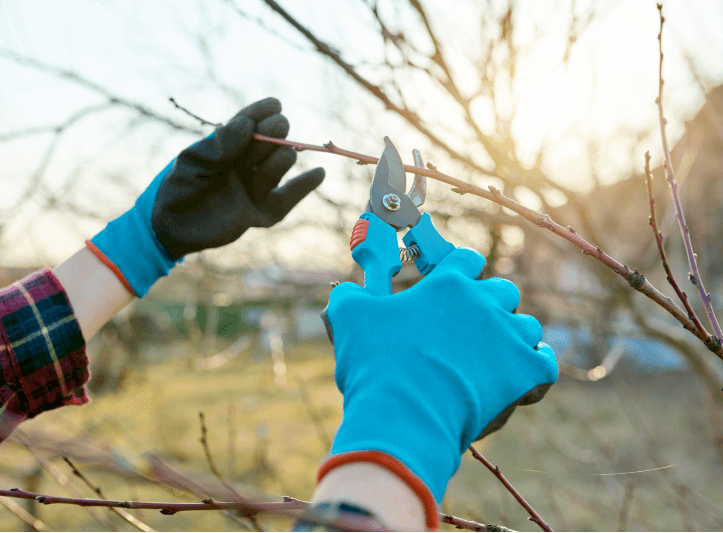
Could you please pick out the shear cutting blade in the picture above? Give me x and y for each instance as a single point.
(390, 170)
(390, 178)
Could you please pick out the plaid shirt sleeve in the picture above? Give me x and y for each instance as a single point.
(43, 363)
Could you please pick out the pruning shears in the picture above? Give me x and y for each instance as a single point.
(389, 210)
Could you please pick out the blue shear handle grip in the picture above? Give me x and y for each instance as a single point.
(431, 244)
(378, 255)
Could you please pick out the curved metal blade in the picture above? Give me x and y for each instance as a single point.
(390, 178)
(418, 192)
(390, 170)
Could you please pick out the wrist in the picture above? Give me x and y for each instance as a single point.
(94, 291)
(381, 485)
(134, 251)
(132, 247)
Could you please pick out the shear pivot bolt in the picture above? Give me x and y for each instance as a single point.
(391, 202)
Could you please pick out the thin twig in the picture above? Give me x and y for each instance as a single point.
(681, 499)
(545, 482)
(209, 458)
(694, 275)
(659, 240)
(627, 500)
(314, 416)
(534, 517)
(202, 121)
(231, 438)
(217, 473)
(125, 515)
(469, 524)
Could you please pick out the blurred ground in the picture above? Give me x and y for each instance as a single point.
(264, 438)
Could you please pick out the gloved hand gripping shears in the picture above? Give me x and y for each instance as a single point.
(389, 210)
(428, 370)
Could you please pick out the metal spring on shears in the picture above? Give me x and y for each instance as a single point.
(405, 255)
(409, 254)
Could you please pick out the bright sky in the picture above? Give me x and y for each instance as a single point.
(146, 51)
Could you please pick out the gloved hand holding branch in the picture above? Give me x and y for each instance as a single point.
(207, 197)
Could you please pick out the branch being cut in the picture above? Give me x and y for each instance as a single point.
(694, 275)
(634, 278)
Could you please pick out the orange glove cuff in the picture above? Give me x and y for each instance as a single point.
(107, 262)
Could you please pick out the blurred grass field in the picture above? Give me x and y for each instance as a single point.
(266, 438)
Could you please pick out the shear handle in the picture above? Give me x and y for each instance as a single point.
(374, 247)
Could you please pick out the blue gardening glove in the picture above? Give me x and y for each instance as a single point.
(207, 197)
(426, 371)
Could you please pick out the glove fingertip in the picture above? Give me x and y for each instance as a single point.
(545, 348)
(338, 293)
(553, 368)
(284, 198)
(314, 176)
(261, 109)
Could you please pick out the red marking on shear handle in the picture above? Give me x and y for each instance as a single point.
(359, 233)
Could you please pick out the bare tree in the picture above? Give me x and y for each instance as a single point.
(455, 90)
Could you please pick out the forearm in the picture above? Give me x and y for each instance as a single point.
(94, 291)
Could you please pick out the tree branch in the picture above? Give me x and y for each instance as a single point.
(694, 275)
(288, 507)
(659, 240)
(534, 517)
(634, 278)
(411, 117)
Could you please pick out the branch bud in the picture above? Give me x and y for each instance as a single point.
(713, 343)
(636, 280)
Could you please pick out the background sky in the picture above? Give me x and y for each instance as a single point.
(215, 61)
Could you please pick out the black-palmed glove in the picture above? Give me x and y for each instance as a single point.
(205, 198)
(227, 183)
